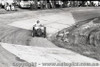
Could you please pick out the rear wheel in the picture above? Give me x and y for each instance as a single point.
(44, 32)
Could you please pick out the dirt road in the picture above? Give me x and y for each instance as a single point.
(21, 34)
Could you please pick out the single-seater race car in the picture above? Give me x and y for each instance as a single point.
(39, 31)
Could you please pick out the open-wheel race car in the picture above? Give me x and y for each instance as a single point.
(39, 31)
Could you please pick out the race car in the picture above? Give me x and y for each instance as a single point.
(39, 31)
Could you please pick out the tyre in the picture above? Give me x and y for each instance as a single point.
(44, 32)
(33, 32)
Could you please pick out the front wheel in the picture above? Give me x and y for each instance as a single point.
(33, 32)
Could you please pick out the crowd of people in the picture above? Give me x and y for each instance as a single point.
(50, 4)
(64, 3)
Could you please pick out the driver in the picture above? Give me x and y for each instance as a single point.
(38, 25)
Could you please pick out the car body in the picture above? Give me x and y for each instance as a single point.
(25, 3)
(39, 31)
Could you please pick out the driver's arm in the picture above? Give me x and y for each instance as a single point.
(41, 25)
(34, 25)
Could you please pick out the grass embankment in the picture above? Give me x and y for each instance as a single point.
(83, 38)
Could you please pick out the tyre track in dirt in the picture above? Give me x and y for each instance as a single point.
(13, 35)
(10, 34)
(20, 36)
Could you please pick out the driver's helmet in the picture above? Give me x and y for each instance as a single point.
(38, 21)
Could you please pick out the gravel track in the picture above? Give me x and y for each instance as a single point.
(18, 36)
(13, 35)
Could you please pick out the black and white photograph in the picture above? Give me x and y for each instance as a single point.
(49, 33)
